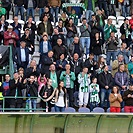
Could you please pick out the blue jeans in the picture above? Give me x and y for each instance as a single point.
(69, 41)
(32, 105)
(56, 11)
(122, 103)
(105, 95)
(125, 10)
(30, 12)
(109, 55)
(59, 109)
(21, 9)
(88, 15)
(41, 10)
(93, 105)
(85, 41)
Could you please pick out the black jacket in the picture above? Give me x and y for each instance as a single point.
(19, 2)
(105, 80)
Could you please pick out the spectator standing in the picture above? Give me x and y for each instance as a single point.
(54, 7)
(85, 30)
(125, 30)
(112, 7)
(21, 56)
(84, 81)
(32, 91)
(108, 28)
(76, 47)
(3, 10)
(96, 46)
(94, 94)
(19, 7)
(111, 45)
(41, 4)
(45, 26)
(74, 16)
(30, 5)
(64, 18)
(106, 82)
(125, 52)
(71, 32)
(121, 79)
(115, 99)
(68, 77)
(130, 69)
(3, 27)
(128, 99)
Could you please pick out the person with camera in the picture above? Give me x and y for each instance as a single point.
(68, 77)
(128, 99)
(84, 81)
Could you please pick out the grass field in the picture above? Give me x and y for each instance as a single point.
(66, 123)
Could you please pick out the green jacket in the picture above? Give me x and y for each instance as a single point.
(108, 29)
(2, 11)
(72, 78)
(130, 67)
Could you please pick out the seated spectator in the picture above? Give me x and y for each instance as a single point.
(106, 83)
(125, 52)
(10, 38)
(108, 28)
(128, 99)
(71, 32)
(85, 30)
(94, 94)
(74, 16)
(3, 27)
(96, 46)
(55, 5)
(76, 47)
(116, 63)
(21, 56)
(45, 93)
(130, 69)
(48, 14)
(32, 91)
(84, 81)
(32, 69)
(6, 90)
(111, 45)
(121, 79)
(44, 46)
(31, 26)
(28, 38)
(3, 10)
(30, 5)
(125, 30)
(56, 36)
(45, 26)
(59, 49)
(68, 78)
(60, 64)
(115, 99)
(46, 61)
(16, 26)
(19, 6)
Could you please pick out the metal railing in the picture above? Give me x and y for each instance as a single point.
(26, 100)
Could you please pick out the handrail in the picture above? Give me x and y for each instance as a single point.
(27, 99)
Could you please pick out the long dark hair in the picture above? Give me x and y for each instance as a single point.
(113, 90)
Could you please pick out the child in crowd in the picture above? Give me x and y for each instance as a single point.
(115, 99)
(94, 96)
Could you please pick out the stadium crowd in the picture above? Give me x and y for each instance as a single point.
(72, 69)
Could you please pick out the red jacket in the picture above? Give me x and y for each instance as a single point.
(8, 36)
(131, 23)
